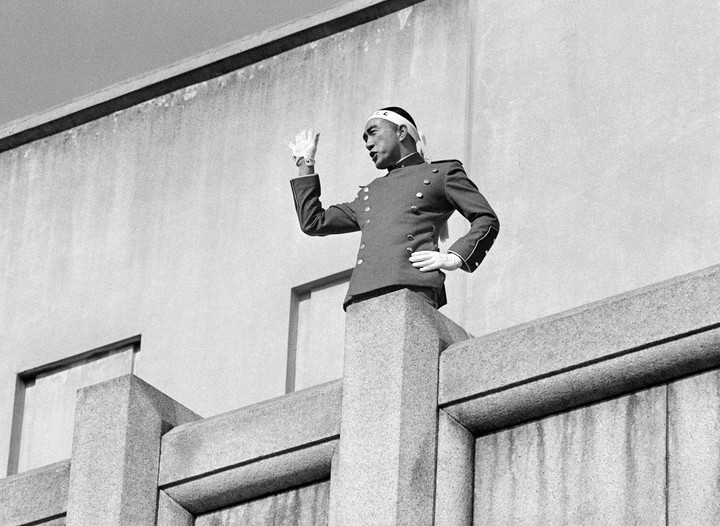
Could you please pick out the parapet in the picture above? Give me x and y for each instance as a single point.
(608, 410)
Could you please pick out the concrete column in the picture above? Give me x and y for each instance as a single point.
(116, 452)
(387, 450)
(455, 473)
(170, 513)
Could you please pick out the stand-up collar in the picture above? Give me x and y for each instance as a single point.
(408, 160)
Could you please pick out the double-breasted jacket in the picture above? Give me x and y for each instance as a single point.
(400, 213)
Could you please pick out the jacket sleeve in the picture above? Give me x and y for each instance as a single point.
(314, 219)
(464, 196)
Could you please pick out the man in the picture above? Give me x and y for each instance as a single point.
(401, 214)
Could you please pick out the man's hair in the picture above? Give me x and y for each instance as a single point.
(400, 112)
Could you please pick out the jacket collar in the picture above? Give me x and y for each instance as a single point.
(408, 160)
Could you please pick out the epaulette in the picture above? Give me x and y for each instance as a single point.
(446, 161)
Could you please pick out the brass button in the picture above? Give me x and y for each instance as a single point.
(426, 181)
(419, 194)
(362, 246)
(359, 262)
(367, 208)
(477, 264)
(414, 209)
(366, 197)
(410, 237)
(367, 221)
(435, 171)
(366, 189)
(409, 249)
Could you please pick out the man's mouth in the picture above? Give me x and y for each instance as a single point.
(373, 155)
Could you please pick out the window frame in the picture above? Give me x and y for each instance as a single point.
(298, 294)
(26, 379)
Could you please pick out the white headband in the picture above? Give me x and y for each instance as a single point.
(399, 120)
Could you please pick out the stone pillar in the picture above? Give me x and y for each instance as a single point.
(385, 472)
(170, 513)
(455, 473)
(116, 452)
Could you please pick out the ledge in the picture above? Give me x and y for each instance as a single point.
(609, 348)
(196, 69)
(35, 496)
(267, 447)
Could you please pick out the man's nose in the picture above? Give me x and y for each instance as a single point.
(368, 144)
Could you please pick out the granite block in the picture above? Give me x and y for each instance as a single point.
(116, 451)
(455, 473)
(594, 332)
(262, 476)
(614, 376)
(251, 433)
(35, 495)
(386, 466)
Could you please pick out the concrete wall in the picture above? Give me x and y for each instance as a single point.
(647, 458)
(595, 130)
(592, 128)
(604, 464)
(307, 506)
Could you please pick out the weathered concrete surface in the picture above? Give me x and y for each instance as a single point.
(694, 453)
(386, 465)
(595, 134)
(570, 339)
(599, 465)
(306, 506)
(268, 447)
(116, 452)
(455, 473)
(35, 495)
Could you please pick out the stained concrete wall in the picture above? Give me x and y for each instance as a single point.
(647, 458)
(307, 506)
(591, 128)
(604, 464)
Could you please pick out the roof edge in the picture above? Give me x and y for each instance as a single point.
(193, 70)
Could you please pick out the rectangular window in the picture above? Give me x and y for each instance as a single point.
(44, 414)
(317, 332)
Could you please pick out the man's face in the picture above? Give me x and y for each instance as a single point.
(382, 141)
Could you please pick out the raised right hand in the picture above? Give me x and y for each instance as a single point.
(305, 147)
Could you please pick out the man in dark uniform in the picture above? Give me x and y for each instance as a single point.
(402, 214)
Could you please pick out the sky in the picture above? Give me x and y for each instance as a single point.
(54, 51)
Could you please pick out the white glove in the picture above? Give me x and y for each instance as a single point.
(305, 147)
(427, 260)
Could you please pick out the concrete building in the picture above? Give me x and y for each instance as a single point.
(149, 230)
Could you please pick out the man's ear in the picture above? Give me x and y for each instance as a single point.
(402, 132)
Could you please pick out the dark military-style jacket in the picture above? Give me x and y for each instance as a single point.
(400, 213)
